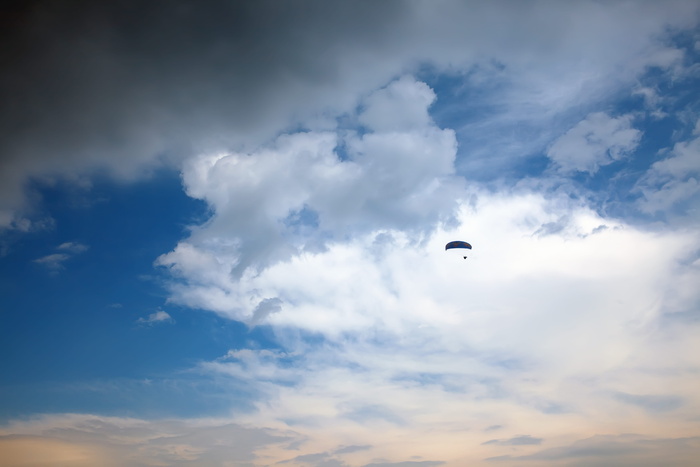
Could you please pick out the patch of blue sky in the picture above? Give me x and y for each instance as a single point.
(469, 103)
(616, 182)
(177, 395)
(87, 318)
(489, 136)
(664, 117)
(300, 220)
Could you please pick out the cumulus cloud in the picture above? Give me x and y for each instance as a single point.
(531, 328)
(594, 142)
(392, 177)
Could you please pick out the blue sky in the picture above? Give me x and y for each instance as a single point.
(222, 234)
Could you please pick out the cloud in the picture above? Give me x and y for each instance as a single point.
(54, 262)
(672, 183)
(334, 184)
(594, 142)
(72, 247)
(158, 82)
(265, 308)
(381, 332)
(325, 459)
(524, 440)
(623, 450)
(321, 459)
(74, 439)
(348, 449)
(157, 317)
(652, 403)
(406, 464)
(392, 177)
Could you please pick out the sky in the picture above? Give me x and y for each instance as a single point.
(222, 231)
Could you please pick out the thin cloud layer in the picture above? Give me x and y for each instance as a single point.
(110, 441)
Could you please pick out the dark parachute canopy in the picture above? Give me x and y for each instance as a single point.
(459, 247)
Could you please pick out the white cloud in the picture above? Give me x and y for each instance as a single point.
(67, 250)
(594, 142)
(334, 237)
(72, 247)
(544, 325)
(159, 316)
(533, 330)
(394, 178)
(53, 261)
(652, 100)
(401, 106)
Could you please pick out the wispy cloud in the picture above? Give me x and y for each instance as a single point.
(72, 247)
(654, 403)
(525, 440)
(55, 261)
(625, 449)
(157, 317)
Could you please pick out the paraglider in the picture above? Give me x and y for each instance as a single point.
(459, 247)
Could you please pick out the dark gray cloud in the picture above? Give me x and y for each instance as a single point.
(122, 84)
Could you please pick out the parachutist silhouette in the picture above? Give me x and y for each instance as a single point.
(460, 246)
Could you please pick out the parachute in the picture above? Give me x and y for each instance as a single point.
(458, 247)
